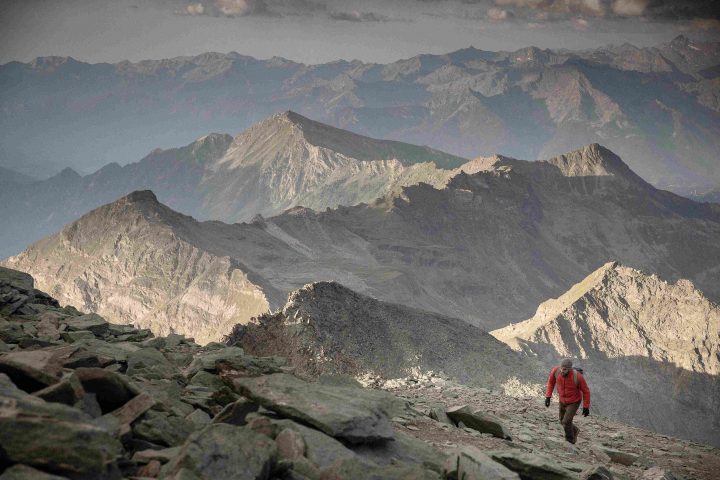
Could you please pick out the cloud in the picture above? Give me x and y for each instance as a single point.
(195, 9)
(226, 8)
(580, 24)
(355, 16)
(629, 8)
(499, 14)
(559, 7)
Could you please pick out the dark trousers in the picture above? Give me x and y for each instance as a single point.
(567, 413)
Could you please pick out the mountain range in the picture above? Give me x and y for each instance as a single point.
(501, 236)
(284, 161)
(656, 107)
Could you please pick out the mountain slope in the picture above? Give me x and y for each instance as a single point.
(282, 162)
(289, 160)
(325, 320)
(654, 106)
(500, 238)
(637, 333)
(135, 268)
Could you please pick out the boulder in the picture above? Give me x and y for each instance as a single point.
(150, 363)
(23, 472)
(68, 390)
(91, 322)
(597, 472)
(531, 466)
(320, 449)
(235, 413)
(206, 360)
(350, 414)
(222, 451)
(657, 473)
(30, 370)
(406, 449)
(437, 412)
(480, 421)
(290, 444)
(357, 469)
(470, 463)
(56, 438)
(162, 428)
(618, 456)
(111, 389)
(198, 418)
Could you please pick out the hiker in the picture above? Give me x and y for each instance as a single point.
(571, 388)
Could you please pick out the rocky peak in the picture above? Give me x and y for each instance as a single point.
(618, 311)
(593, 160)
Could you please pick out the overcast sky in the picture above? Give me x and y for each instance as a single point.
(314, 31)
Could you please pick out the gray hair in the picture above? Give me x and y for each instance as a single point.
(566, 363)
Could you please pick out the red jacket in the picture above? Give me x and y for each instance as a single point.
(567, 390)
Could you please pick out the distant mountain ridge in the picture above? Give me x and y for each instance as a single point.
(490, 245)
(656, 107)
(285, 161)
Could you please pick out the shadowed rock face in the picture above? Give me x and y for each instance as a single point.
(284, 161)
(647, 346)
(488, 248)
(326, 320)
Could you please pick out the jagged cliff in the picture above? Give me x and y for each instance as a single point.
(649, 346)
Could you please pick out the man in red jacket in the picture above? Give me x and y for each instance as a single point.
(571, 388)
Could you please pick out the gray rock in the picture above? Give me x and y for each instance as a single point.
(23, 472)
(598, 472)
(162, 428)
(91, 322)
(164, 455)
(199, 418)
(406, 449)
(618, 456)
(357, 469)
(224, 451)
(30, 370)
(206, 361)
(437, 412)
(531, 466)
(111, 389)
(55, 437)
(351, 414)
(320, 449)
(470, 463)
(338, 380)
(68, 390)
(150, 363)
(480, 421)
(658, 473)
(235, 413)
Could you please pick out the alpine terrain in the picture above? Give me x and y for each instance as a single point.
(657, 107)
(83, 398)
(284, 161)
(500, 238)
(657, 342)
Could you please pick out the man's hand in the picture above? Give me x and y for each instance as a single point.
(547, 401)
(586, 412)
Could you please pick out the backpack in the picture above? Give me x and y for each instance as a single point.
(575, 373)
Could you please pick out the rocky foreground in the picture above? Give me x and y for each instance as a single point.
(81, 398)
